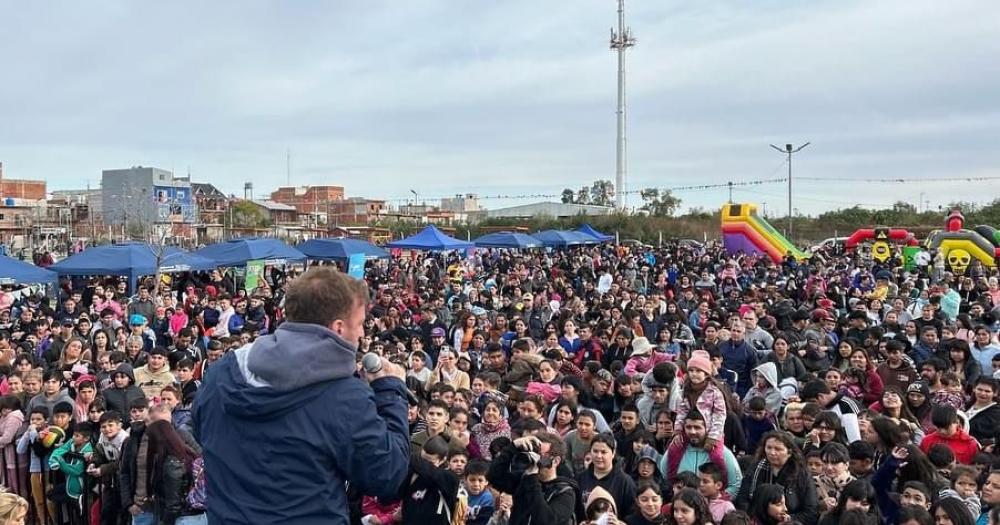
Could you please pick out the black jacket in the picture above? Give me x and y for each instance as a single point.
(985, 424)
(636, 518)
(127, 467)
(171, 482)
(429, 493)
(800, 491)
(556, 502)
(120, 399)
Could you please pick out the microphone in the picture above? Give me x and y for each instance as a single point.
(372, 363)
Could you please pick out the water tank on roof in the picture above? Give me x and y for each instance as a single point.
(9, 201)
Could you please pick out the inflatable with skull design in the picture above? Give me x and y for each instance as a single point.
(960, 246)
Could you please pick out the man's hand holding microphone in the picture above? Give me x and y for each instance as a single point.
(377, 367)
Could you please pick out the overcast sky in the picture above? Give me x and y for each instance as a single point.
(508, 97)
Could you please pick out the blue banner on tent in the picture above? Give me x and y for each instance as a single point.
(356, 265)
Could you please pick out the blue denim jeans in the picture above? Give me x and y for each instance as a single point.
(146, 518)
(200, 519)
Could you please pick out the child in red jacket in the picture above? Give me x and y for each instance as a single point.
(950, 433)
(375, 512)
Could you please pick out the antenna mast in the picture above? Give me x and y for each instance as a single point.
(621, 40)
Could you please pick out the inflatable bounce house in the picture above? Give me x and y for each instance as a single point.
(744, 231)
(882, 240)
(959, 246)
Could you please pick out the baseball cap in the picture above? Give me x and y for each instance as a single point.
(800, 315)
(437, 332)
(137, 319)
(67, 321)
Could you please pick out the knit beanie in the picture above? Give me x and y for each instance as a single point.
(699, 359)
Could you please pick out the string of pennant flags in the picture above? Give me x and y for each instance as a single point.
(695, 187)
(725, 185)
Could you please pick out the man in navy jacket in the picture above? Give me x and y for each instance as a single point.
(285, 424)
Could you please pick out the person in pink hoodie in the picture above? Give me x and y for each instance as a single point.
(644, 357)
(178, 321)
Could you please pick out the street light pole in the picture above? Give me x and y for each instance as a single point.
(789, 150)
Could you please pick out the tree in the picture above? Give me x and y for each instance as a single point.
(583, 195)
(659, 203)
(602, 193)
(245, 214)
(568, 196)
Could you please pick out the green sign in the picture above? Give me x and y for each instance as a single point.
(255, 274)
(909, 257)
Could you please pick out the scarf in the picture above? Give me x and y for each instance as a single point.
(484, 434)
(112, 448)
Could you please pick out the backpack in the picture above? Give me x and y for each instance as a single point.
(563, 488)
(197, 494)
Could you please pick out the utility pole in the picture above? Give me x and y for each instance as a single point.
(288, 166)
(789, 150)
(730, 192)
(621, 40)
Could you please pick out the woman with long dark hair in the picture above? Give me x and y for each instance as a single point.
(894, 407)
(918, 400)
(859, 495)
(688, 507)
(961, 362)
(169, 477)
(874, 386)
(565, 420)
(883, 435)
(842, 358)
(780, 461)
(768, 506)
(952, 511)
(984, 413)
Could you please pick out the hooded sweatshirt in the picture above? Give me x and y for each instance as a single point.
(616, 486)
(771, 394)
(292, 396)
(961, 443)
(49, 402)
(120, 399)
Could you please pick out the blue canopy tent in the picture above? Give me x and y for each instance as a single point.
(507, 240)
(340, 249)
(587, 229)
(131, 260)
(14, 271)
(563, 238)
(237, 252)
(430, 239)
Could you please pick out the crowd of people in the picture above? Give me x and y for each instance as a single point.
(599, 385)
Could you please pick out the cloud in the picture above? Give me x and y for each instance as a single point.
(512, 97)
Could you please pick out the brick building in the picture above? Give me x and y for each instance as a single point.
(308, 199)
(32, 190)
(355, 210)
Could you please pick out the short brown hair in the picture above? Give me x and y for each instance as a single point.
(322, 295)
(557, 449)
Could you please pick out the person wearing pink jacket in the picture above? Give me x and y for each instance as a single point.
(644, 357)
